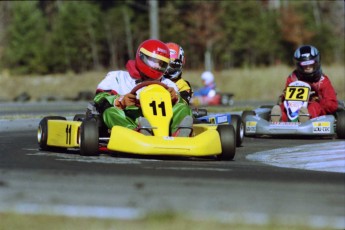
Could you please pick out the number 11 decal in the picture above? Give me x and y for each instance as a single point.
(161, 106)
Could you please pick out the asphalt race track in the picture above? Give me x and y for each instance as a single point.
(254, 188)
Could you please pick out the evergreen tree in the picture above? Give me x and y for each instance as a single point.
(87, 35)
(24, 52)
(251, 36)
(76, 36)
(118, 31)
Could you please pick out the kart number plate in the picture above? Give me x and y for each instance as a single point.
(322, 127)
(251, 126)
(297, 93)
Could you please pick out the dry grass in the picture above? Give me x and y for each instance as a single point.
(262, 84)
(60, 86)
(165, 221)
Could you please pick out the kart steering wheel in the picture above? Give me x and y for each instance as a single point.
(146, 83)
(143, 84)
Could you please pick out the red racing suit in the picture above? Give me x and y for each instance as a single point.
(323, 102)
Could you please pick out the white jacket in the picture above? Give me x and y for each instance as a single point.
(121, 82)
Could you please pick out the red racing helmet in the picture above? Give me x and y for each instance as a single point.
(152, 59)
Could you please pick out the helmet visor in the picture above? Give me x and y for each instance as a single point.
(308, 66)
(306, 63)
(154, 61)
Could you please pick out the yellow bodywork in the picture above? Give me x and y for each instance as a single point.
(63, 133)
(205, 142)
(157, 109)
(156, 106)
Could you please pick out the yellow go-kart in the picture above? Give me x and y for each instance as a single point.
(155, 101)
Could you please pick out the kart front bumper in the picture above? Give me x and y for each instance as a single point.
(320, 126)
(205, 143)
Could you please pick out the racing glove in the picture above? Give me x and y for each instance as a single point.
(314, 98)
(125, 100)
(173, 94)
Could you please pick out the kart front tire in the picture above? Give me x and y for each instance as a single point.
(42, 133)
(340, 124)
(228, 142)
(247, 113)
(89, 138)
(236, 121)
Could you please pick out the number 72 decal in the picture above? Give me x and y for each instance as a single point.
(297, 93)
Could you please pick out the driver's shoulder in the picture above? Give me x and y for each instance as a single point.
(169, 83)
(118, 73)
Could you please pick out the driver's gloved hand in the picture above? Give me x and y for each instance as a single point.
(173, 94)
(126, 100)
(314, 98)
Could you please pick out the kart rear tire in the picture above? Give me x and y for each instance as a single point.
(228, 142)
(89, 138)
(226, 99)
(199, 112)
(237, 123)
(42, 133)
(340, 124)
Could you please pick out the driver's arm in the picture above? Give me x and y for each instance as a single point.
(104, 100)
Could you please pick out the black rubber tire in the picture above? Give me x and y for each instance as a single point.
(199, 112)
(246, 113)
(228, 142)
(42, 133)
(231, 102)
(341, 106)
(224, 99)
(79, 117)
(340, 124)
(237, 123)
(89, 138)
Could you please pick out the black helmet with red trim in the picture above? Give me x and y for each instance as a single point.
(177, 60)
(308, 63)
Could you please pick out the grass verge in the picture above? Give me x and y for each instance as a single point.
(260, 84)
(159, 221)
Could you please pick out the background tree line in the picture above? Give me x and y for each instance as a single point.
(58, 36)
